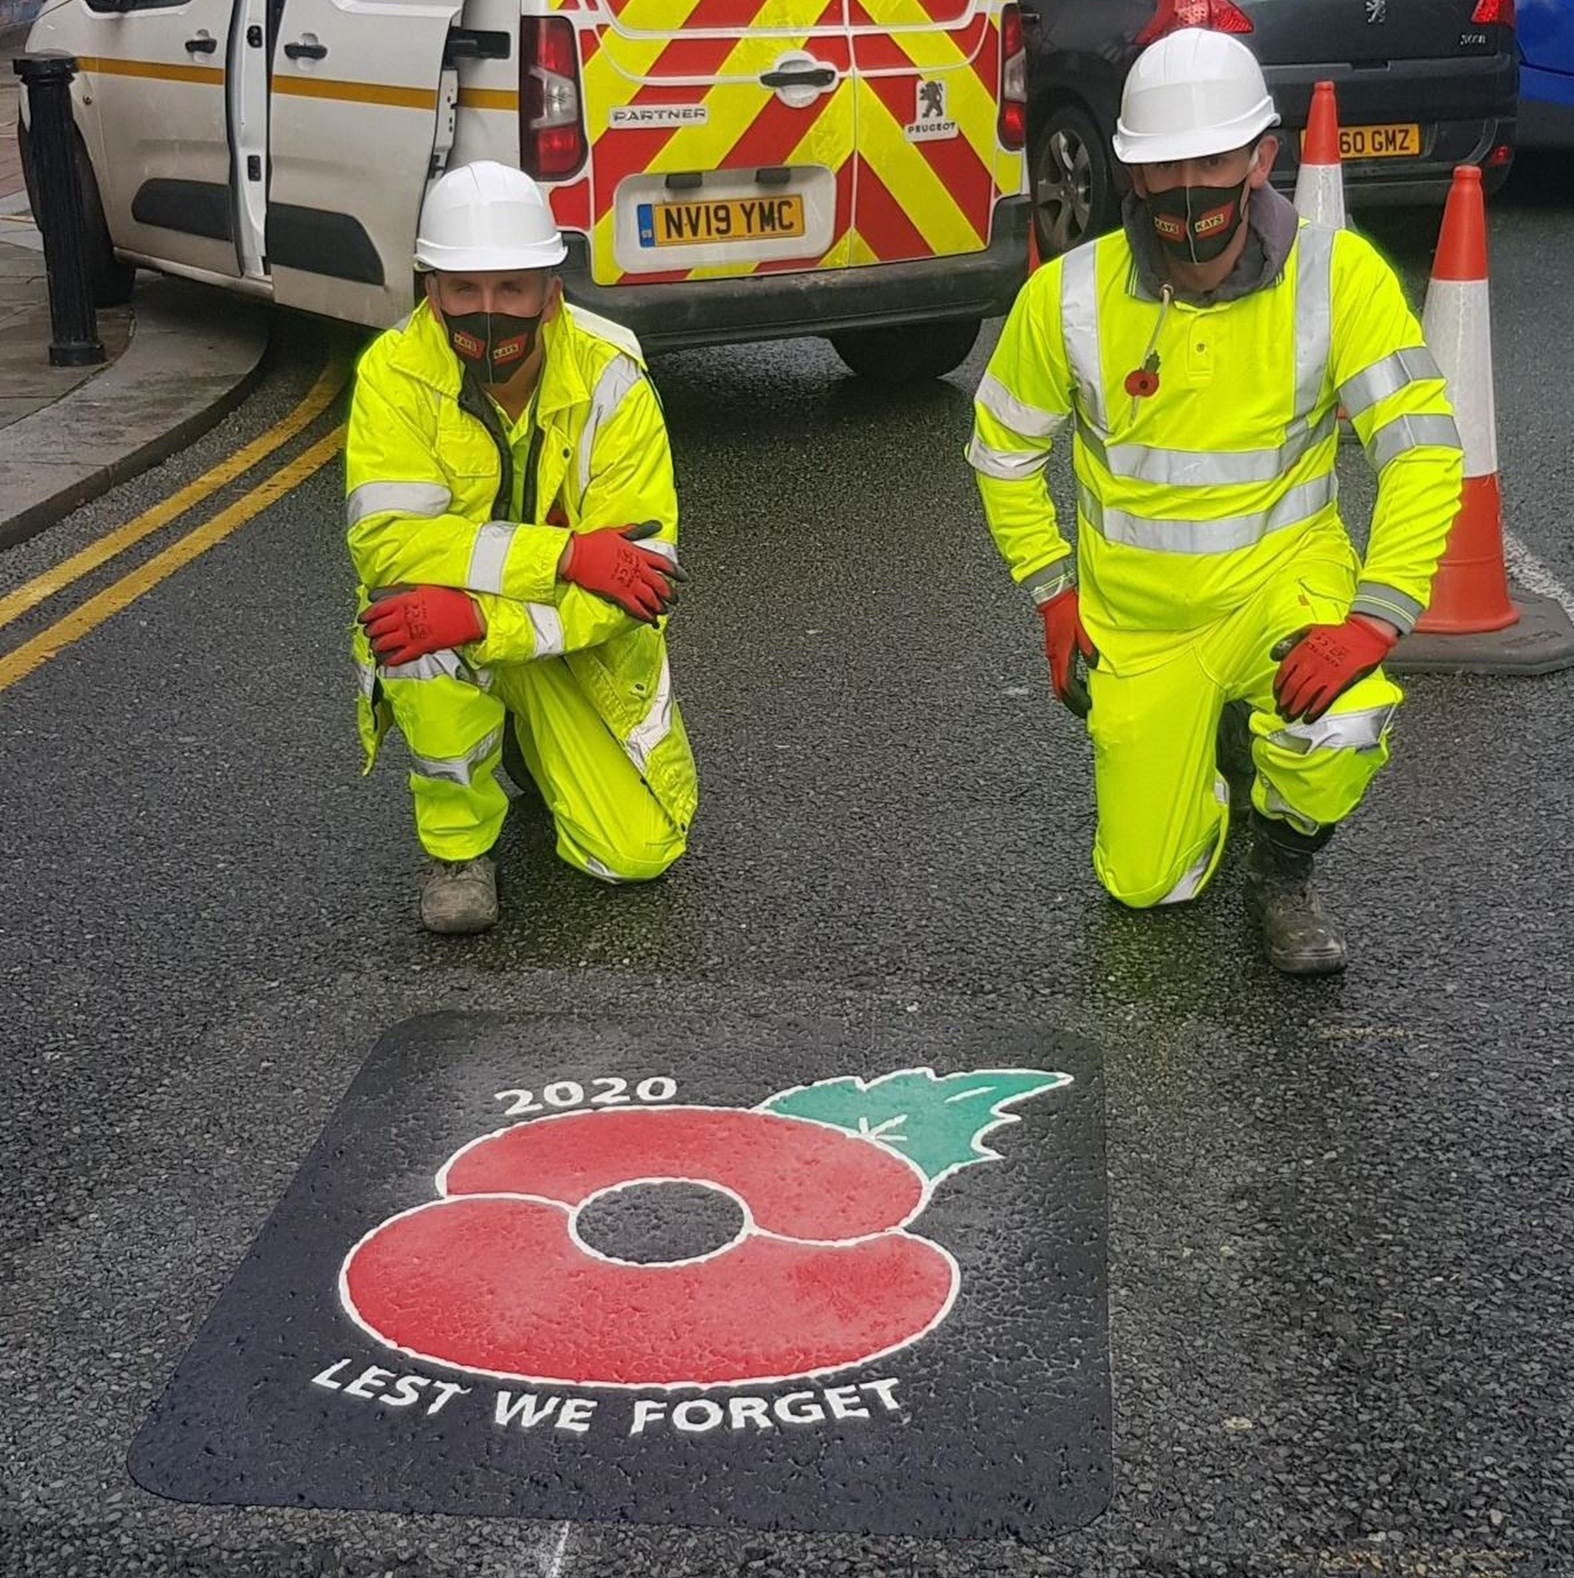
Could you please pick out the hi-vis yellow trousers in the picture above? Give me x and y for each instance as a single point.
(1163, 807)
(608, 822)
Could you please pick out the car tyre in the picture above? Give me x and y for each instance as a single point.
(1072, 171)
(908, 352)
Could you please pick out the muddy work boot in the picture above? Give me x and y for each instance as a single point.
(1297, 933)
(459, 896)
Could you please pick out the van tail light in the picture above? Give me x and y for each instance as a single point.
(1493, 13)
(1221, 16)
(552, 141)
(1013, 78)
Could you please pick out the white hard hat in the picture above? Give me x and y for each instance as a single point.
(1192, 93)
(486, 216)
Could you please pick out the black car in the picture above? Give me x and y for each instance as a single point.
(1423, 85)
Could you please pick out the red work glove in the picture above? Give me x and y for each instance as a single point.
(607, 563)
(1319, 664)
(1064, 640)
(405, 625)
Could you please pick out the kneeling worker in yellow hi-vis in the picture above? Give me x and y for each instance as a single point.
(513, 523)
(1200, 355)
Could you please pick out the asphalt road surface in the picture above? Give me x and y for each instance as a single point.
(1341, 1214)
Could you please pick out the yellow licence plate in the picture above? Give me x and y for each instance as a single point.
(720, 219)
(1399, 141)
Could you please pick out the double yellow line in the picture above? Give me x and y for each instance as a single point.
(34, 653)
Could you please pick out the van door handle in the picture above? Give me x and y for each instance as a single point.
(201, 46)
(800, 77)
(306, 51)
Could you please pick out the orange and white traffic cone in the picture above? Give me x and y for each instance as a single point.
(1475, 623)
(1319, 184)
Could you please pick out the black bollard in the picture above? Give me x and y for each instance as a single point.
(51, 142)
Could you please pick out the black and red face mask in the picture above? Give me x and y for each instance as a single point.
(1197, 223)
(493, 345)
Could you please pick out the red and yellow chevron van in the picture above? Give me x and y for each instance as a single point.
(722, 170)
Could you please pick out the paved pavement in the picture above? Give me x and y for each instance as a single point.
(12, 41)
(176, 361)
(1341, 1213)
(28, 380)
(187, 356)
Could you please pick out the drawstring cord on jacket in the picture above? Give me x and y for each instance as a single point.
(1143, 380)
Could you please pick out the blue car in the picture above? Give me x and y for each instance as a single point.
(1546, 74)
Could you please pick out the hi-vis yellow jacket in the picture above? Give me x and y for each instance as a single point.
(427, 504)
(1191, 496)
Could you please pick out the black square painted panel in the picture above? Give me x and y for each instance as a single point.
(766, 1272)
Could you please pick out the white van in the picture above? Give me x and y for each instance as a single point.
(722, 169)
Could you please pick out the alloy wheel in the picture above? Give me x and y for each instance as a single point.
(1063, 190)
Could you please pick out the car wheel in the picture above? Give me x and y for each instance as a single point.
(909, 352)
(1073, 172)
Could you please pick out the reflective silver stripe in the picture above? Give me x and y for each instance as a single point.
(1281, 809)
(617, 378)
(1030, 421)
(602, 873)
(547, 628)
(1193, 878)
(401, 498)
(667, 550)
(457, 769)
(656, 725)
(1006, 465)
(1079, 321)
(435, 665)
(1215, 536)
(1404, 433)
(366, 680)
(1314, 252)
(1191, 883)
(1386, 602)
(489, 557)
(1411, 365)
(1052, 580)
(1336, 731)
(446, 664)
(1195, 468)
